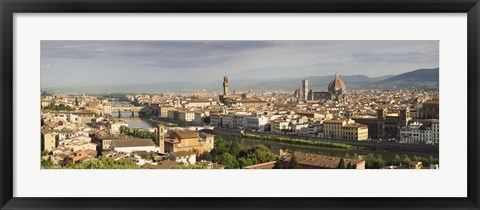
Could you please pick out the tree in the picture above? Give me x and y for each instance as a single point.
(235, 148)
(220, 147)
(104, 163)
(206, 156)
(341, 164)
(228, 160)
(379, 162)
(375, 163)
(347, 155)
(44, 153)
(396, 160)
(293, 163)
(46, 164)
(260, 154)
(206, 120)
(406, 160)
(242, 162)
(278, 164)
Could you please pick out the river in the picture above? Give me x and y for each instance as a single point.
(133, 122)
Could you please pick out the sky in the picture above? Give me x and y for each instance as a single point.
(94, 63)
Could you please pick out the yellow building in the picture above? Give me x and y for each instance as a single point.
(49, 140)
(333, 128)
(345, 129)
(187, 140)
(107, 109)
(163, 110)
(357, 132)
(186, 116)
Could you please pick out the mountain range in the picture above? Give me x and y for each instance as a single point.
(419, 79)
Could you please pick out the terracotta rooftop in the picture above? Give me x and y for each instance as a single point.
(431, 102)
(133, 143)
(320, 161)
(266, 165)
(356, 126)
(184, 134)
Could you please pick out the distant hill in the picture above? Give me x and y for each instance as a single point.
(420, 79)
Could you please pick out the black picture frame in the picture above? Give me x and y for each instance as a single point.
(10, 7)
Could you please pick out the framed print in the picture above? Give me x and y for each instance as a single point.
(241, 105)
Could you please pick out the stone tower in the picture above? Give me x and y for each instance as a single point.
(225, 85)
(382, 113)
(161, 137)
(305, 89)
(404, 116)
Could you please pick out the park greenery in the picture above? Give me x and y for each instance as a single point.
(148, 155)
(60, 107)
(234, 155)
(299, 141)
(100, 163)
(377, 162)
(139, 133)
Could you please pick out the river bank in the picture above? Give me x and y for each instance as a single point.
(299, 141)
(275, 143)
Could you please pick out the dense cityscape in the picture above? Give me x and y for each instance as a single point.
(333, 127)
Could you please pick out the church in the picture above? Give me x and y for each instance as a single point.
(336, 91)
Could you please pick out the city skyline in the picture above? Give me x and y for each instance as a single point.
(240, 105)
(96, 63)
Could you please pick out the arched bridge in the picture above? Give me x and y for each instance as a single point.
(127, 108)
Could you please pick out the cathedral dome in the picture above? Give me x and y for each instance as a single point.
(336, 85)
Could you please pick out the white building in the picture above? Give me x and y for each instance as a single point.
(279, 125)
(115, 126)
(107, 109)
(67, 117)
(84, 139)
(227, 122)
(255, 122)
(436, 131)
(185, 157)
(132, 145)
(199, 118)
(416, 133)
(297, 128)
(215, 120)
(186, 116)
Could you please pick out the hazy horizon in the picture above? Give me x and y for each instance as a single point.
(70, 64)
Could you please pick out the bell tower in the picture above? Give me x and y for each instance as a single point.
(225, 85)
(161, 137)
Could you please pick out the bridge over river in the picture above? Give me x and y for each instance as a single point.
(126, 108)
